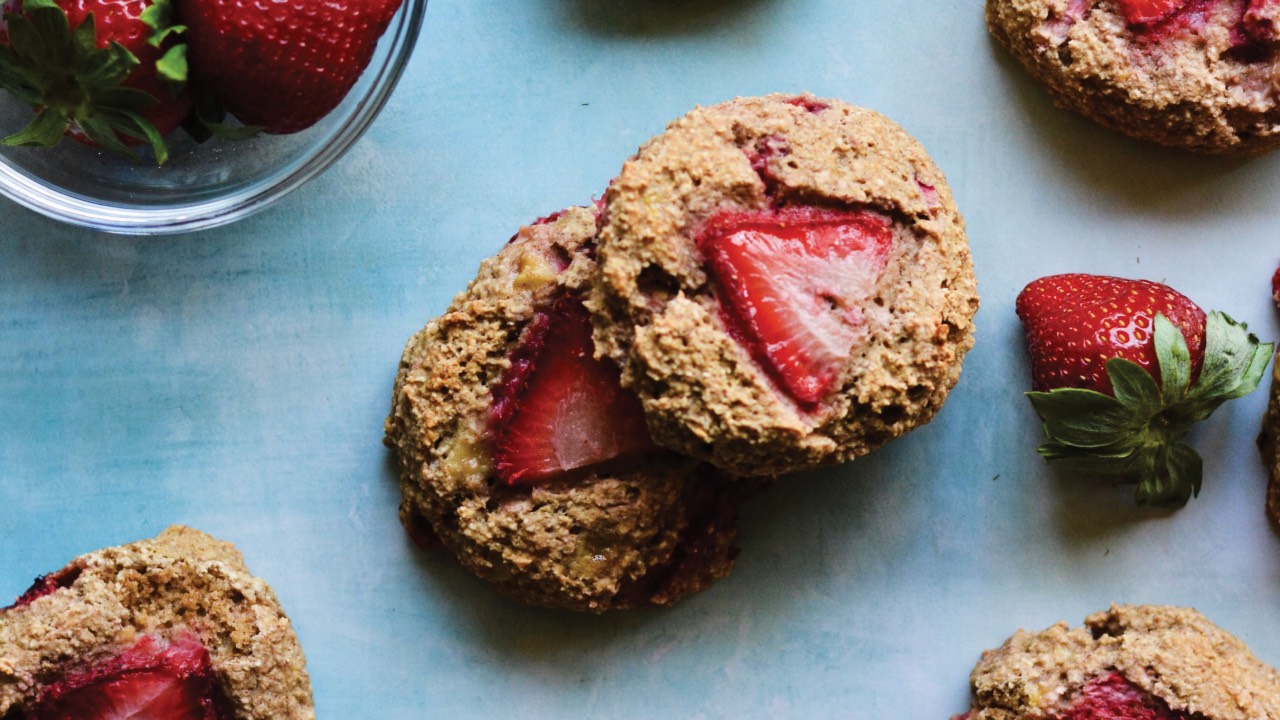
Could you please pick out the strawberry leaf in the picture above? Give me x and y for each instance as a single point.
(1134, 387)
(43, 131)
(141, 128)
(1137, 434)
(1228, 354)
(1102, 461)
(32, 5)
(1174, 479)
(159, 17)
(102, 134)
(172, 67)
(1174, 359)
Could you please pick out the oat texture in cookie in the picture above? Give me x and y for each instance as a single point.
(1133, 661)
(1196, 74)
(785, 282)
(171, 627)
(524, 456)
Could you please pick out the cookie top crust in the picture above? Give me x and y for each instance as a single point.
(658, 307)
(643, 530)
(1202, 77)
(1189, 665)
(180, 582)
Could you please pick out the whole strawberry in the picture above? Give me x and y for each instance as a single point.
(1121, 370)
(282, 65)
(110, 73)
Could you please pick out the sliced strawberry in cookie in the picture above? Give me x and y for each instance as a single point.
(794, 283)
(1145, 12)
(559, 408)
(146, 682)
(1113, 697)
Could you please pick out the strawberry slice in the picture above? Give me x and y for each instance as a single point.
(1145, 12)
(559, 408)
(1113, 697)
(146, 682)
(793, 285)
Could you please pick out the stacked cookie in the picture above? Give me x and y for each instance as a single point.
(771, 285)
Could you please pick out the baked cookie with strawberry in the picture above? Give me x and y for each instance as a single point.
(785, 282)
(1194, 74)
(171, 628)
(1138, 662)
(522, 453)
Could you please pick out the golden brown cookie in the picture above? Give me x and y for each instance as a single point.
(1138, 662)
(175, 621)
(1195, 74)
(785, 282)
(523, 454)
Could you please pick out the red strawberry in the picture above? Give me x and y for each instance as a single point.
(1129, 366)
(282, 65)
(1075, 323)
(107, 72)
(794, 283)
(146, 682)
(559, 408)
(1114, 697)
(1145, 12)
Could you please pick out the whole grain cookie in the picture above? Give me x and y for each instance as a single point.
(1132, 661)
(785, 282)
(523, 454)
(172, 627)
(1195, 74)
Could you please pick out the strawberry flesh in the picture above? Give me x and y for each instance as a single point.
(1146, 12)
(149, 681)
(793, 284)
(1113, 697)
(558, 408)
(1076, 322)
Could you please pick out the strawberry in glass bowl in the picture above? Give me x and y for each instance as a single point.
(186, 115)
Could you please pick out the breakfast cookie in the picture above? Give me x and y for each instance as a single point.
(1132, 661)
(1195, 74)
(172, 627)
(522, 453)
(785, 282)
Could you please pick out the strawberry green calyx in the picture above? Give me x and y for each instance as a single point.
(1136, 435)
(76, 80)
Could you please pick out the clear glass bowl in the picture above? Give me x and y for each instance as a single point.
(202, 185)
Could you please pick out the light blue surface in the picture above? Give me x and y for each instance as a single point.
(236, 380)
